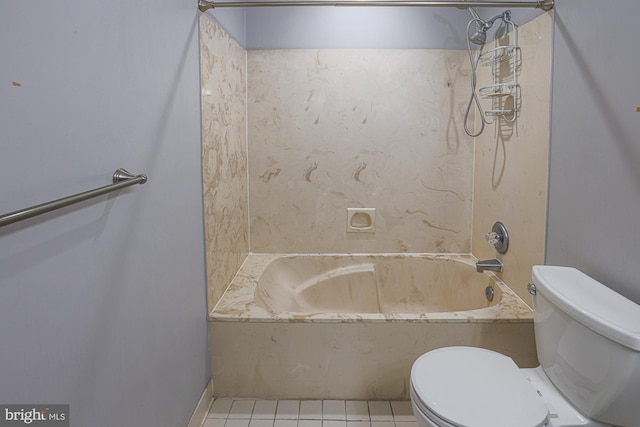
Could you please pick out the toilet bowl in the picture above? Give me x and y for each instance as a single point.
(588, 345)
(474, 387)
(488, 389)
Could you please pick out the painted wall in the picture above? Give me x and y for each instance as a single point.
(233, 21)
(224, 160)
(511, 161)
(354, 27)
(102, 305)
(337, 129)
(594, 194)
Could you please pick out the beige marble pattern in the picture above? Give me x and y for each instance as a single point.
(511, 165)
(334, 129)
(344, 360)
(242, 302)
(259, 352)
(224, 157)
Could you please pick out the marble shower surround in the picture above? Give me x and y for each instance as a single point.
(224, 155)
(511, 164)
(332, 129)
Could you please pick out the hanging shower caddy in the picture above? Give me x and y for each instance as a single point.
(504, 92)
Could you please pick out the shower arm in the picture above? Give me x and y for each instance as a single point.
(505, 16)
(545, 5)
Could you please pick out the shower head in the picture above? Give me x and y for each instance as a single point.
(480, 36)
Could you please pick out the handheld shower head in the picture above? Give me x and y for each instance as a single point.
(479, 37)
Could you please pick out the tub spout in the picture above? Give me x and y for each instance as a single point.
(489, 264)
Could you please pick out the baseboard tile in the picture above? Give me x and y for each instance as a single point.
(200, 413)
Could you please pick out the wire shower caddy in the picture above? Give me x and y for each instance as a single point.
(504, 92)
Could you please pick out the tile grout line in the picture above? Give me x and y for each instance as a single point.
(244, 417)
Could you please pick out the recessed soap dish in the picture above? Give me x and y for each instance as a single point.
(361, 220)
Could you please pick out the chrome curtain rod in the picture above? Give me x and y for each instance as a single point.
(546, 5)
(121, 179)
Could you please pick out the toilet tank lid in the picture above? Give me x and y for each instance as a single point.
(591, 303)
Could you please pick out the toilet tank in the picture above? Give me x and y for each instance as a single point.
(588, 343)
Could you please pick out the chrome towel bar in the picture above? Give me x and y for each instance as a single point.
(121, 179)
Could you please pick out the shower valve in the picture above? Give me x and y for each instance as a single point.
(493, 238)
(498, 237)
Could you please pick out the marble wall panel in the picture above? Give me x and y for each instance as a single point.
(511, 164)
(224, 158)
(344, 360)
(333, 129)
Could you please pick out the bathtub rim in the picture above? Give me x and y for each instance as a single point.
(511, 309)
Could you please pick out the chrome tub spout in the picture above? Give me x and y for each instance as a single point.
(490, 265)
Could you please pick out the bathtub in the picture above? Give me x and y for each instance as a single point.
(351, 326)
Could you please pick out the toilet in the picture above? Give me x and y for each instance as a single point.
(588, 345)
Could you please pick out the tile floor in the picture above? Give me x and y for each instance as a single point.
(226, 412)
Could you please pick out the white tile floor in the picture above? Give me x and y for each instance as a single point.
(226, 412)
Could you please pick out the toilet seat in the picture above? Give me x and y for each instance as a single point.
(474, 387)
(428, 417)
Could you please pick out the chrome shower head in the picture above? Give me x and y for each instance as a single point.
(479, 37)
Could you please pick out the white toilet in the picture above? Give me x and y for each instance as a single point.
(588, 345)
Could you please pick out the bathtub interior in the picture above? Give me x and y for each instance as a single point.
(372, 284)
(375, 288)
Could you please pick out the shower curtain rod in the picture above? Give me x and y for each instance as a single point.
(546, 5)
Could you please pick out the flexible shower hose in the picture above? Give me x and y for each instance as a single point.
(474, 96)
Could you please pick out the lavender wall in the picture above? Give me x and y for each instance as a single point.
(103, 304)
(355, 27)
(233, 21)
(594, 180)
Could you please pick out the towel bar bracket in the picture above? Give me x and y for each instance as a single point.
(122, 175)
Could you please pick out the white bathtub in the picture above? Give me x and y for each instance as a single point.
(350, 326)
